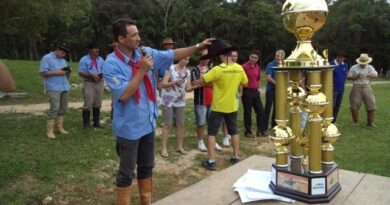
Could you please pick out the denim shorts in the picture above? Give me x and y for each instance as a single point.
(202, 113)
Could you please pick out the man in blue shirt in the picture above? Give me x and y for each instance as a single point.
(56, 71)
(91, 71)
(339, 76)
(270, 88)
(128, 72)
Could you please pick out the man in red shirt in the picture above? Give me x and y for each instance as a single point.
(251, 96)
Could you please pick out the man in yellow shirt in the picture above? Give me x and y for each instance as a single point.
(226, 79)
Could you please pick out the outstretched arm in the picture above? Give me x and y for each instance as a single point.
(181, 53)
(7, 83)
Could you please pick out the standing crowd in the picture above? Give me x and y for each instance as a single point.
(141, 77)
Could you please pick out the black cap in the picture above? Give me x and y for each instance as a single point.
(217, 47)
(62, 46)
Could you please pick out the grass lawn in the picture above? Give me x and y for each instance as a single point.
(28, 80)
(80, 168)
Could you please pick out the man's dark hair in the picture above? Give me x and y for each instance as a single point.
(120, 25)
(256, 52)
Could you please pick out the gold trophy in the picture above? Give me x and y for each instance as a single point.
(310, 175)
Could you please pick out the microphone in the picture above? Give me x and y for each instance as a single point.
(143, 50)
(144, 53)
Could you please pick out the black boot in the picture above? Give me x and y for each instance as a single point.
(96, 117)
(86, 114)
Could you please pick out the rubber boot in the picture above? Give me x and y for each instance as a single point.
(96, 117)
(145, 191)
(370, 119)
(50, 129)
(123, 195)
(60, 125)
(355, 116)
(86, 118)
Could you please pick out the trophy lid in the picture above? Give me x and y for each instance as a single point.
(304, 5)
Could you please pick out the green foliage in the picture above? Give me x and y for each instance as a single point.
(354, 26)
(357, 26)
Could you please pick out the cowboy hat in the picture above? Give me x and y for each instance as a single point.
(217, 48)
(62, 46)
(167, 40)
(363, 59)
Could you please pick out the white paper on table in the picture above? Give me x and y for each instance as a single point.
(254, 186)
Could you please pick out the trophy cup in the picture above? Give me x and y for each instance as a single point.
(310, 173)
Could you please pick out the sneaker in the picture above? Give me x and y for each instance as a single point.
(371, 124)
(217, 147)
(202, 146)
(260, 133)
(248, 134)
(234, 160)
(209, 165)
(225, 141)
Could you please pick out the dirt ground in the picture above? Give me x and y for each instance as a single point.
(104, 193)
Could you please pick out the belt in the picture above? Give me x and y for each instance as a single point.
(250, 88)
(361, 85)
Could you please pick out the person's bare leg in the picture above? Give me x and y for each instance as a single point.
(180, 139)
(164, 140)
(235, 145)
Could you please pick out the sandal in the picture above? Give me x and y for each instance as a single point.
(164, 154)
(182, 151)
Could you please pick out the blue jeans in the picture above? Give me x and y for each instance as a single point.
(131, 153)
(202, 113)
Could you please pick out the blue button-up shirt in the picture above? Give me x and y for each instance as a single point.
(50, 62)
(270, 71)
(86, 66)
(132, 120)
(339, 76)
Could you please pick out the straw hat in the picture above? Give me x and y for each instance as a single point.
(167, 40)
(364, 59)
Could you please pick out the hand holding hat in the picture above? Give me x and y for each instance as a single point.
(216, 47)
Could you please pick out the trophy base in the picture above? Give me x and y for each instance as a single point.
(297, 183)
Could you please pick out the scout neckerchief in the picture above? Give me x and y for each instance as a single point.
(148, 83)
(94, 63)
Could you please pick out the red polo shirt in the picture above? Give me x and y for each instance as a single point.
(253, 73)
